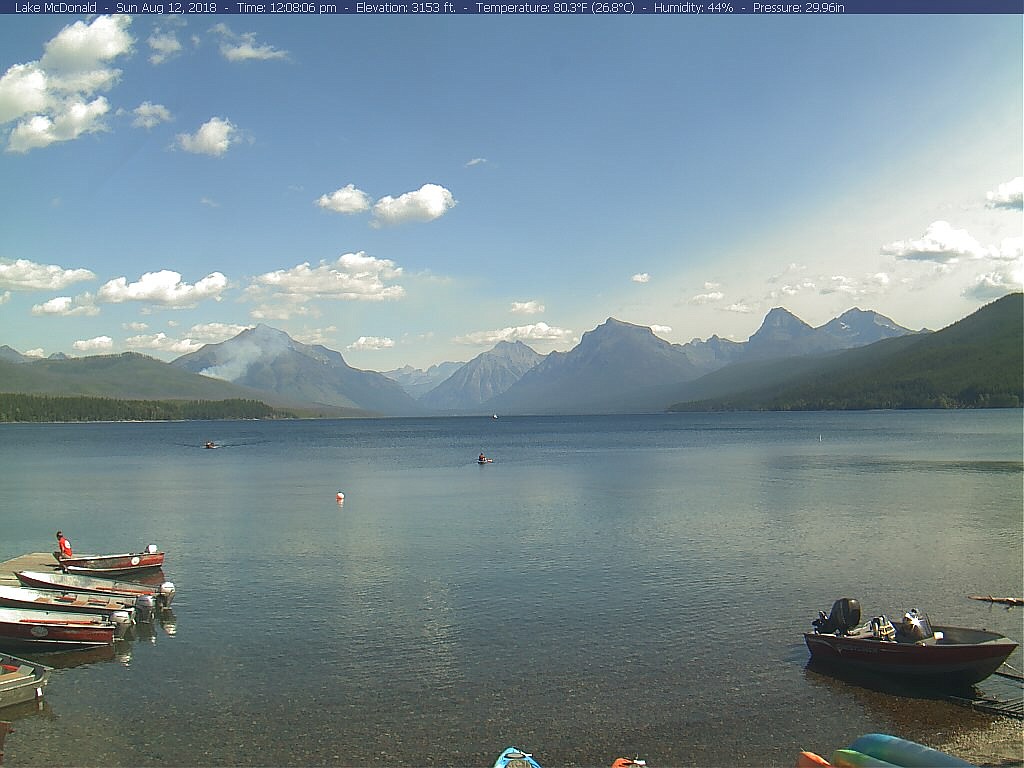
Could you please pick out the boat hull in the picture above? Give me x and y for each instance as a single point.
(111, 564)
(31, 630)
(21, 680)
(961, 657)
(100, 586)
(73, 602)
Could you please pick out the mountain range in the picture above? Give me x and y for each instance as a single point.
(617, 367)
(264, 358)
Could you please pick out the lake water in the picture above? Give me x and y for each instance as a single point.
(608, 586)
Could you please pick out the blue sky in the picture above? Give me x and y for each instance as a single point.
(410, 190)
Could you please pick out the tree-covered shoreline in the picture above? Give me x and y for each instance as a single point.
(16, 407)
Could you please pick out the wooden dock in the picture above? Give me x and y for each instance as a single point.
(36, 561)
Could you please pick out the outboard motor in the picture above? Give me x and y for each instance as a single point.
(151, 549)
(166, 594)
(122, 623)
(145, 608)
(845, 615)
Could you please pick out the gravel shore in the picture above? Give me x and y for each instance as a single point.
(1001, 745)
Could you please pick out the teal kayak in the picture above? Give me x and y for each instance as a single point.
(515, 758)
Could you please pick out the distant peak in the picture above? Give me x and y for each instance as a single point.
(613, 323)
(261, 329)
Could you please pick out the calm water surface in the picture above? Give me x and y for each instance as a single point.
(608, 586)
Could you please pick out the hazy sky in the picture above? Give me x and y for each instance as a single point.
(410, 190)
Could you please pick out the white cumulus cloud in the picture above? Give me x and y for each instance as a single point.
(54, 99)
(161, 342)
(65, 306)
(535, 332)
(95, 344)
(164, 45)
(429, 202)
(364, 343)
(149, 115)
(710, 297)
(1009, 195)
(215, 332)
(1000, 281)
(75, 119)
(214, 137)
(242, 46)
(25, 275)
(347, 200)
(353, 276)
(641, 277)
(527, 308)
(941, 243)
(164, 287)
(23, 89)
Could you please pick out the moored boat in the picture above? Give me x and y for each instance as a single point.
(21, 680)
(112, 565)
(74, 602)
(911, 648)
(32, 630)
(163, 594)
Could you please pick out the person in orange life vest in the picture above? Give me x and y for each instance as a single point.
(65, 545)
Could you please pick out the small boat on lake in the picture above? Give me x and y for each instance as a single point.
(21, 680)
(73, 602)
(911, 648)
(112, 565)
(32, 630)
(162, 594)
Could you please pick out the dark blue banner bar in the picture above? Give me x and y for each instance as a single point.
(502, 7)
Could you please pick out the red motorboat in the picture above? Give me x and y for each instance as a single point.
(32, 630)
(912, 647)
(112, 565)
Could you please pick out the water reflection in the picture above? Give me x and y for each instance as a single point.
(820, 671)
(70, 659)
(169, 622)
(27, 709)
(151, 578)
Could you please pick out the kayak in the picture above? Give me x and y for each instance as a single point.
(893, 749)
(514, 757)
